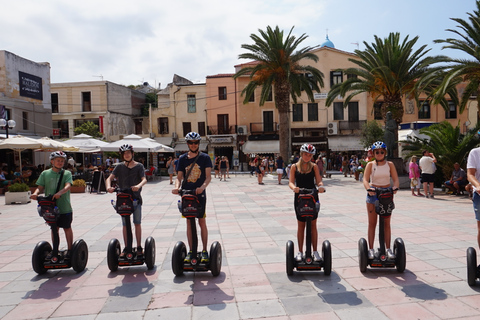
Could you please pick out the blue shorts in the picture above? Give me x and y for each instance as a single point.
(137, 215)
(372, 199)
(476, 205)
(64, 220)
(460, 183)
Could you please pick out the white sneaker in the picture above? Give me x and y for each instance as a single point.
(299, 257)
(390, 254)
(316, 256)
(371, 254)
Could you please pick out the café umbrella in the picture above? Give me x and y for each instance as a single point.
(20, 143)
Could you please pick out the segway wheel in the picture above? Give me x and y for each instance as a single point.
(400, 254)
(178, 255)
(327, 257)
(42, 249)
(362, 254)
(215, 258)
(290, 257)
(79, 255)
(113, 254)
(471, 266)
(150, 253)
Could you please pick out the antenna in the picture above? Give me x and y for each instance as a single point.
(100, 76)
(356, 43)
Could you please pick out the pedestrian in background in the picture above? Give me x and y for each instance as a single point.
(414, 175)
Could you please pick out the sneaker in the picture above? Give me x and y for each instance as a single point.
(431, 196)
(426, 195)
(390, 254)
(68, 254)
(204, 256)
(316, 256)
(188, 258)
(139, 251)
(299, 257)
(122, 255)
(371, 254)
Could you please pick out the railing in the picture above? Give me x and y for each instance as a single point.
(351, 125)
(263, 128)
(211, 130)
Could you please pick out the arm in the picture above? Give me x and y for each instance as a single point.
(318, 178)
(291, 181)
(208, 173)
(108, 183)
(394, 175)
(39, 190)
(472, 179)
(62, 191)
(141, 184)
(366, 176)
(178, 182)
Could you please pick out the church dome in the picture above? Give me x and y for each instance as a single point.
(327, 43)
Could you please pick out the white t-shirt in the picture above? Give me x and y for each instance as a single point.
(427, 165)
(473, 162)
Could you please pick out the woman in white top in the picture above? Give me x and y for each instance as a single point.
(377, 175)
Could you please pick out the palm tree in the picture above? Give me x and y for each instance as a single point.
(467, 70)
(389, 69)
(277, 64)
(447, 143)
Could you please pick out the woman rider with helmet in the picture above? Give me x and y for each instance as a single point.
(130, 174)
(377, 175)
(305, 174)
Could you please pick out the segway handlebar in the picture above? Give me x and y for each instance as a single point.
(382, 190)
(320, 189)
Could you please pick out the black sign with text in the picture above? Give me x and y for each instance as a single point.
(30, 86)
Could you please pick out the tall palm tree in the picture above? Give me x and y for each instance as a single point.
(467, 70)
(278, 65)
(389, 69)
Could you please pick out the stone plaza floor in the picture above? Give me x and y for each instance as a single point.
(252, 222)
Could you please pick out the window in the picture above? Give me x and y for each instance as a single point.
(54, 102)
(191, 103)
(268, 124)
(424, 110)
(201, 128)
(86, 102)
(353, 112)
(313, 112)
(223, 124)
(452, 112)
(62, 125)
(187, 127)
(309, 78)
(338, 111)
(162, 124)
(351, 76)
(377, 111)
(297, 112)
(335, 77)
(5, 113)
(222, 93)
(252, 97)
(270, 96)
(25, 120)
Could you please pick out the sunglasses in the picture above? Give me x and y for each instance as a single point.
(193, 142)
(379, 152)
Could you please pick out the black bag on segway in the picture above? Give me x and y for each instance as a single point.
(307, 206)
(47, 209)
(385, 205)
(191, 206)
(124, 204)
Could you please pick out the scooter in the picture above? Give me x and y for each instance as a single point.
(383, 208)
(190, 208)
(46, 257)
(308, 208)
(125, 206)
(473, 270)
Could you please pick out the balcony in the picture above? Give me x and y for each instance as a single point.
(263, 128)
(351, 125)
(214, 130)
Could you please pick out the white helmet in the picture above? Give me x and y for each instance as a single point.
(308, 148)
(57, 154)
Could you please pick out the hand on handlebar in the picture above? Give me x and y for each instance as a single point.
(110, 189)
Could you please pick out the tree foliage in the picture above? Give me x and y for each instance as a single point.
(89, 128)
(371, 132)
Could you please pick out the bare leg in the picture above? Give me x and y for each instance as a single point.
(300, 234)
(388, 231)
(372, 224)
(204, 232)
(138, 234)
(314, 235)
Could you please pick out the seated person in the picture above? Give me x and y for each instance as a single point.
(3, 177)
(458, 179)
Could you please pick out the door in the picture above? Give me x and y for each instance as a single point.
(268, 121)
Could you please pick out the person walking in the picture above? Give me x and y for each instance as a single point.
(223, 168)
(473, 175)
(279, 164)
(170, 168)
(414, 175)
(427, 165)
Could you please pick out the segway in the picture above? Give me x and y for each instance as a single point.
(383, 208)
(125, 206)
(473, 270)
(45, 256)
(308, 208)
(191, 208)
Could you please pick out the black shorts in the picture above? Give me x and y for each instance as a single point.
(65, 220)
(427, 177)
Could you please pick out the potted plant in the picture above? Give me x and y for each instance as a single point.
(18, 193)
(78, 186)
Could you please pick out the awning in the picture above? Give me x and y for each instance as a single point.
(409, 134)
(183, 147)
(164, 140)
(262, 146)
(345, 143)
(312, 143)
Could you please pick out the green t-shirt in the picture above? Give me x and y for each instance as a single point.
(49, 180)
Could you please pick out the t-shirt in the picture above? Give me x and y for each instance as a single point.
(49, 180)
(129, 177)
(427, 165)
(279, 163)
(197, 176)
(473, 162)
(460, 173)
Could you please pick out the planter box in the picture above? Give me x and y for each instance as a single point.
(77, 189)
(17, 197)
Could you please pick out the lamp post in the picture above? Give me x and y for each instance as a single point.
(10, 124)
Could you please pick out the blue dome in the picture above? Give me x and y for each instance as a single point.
(327, 43)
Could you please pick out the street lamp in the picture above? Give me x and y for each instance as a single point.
(5, 125)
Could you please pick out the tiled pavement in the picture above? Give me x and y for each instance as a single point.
(252, 223)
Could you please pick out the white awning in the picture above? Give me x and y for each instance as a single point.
(164, 140)
(409, 134)
(312, 143)
(183, 147)
(262, 146)
(345, 143)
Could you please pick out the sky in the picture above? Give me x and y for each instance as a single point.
(132, 42)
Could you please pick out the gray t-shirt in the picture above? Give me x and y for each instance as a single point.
(129, 177)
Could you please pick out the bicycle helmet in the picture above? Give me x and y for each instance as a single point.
(125, 147)
(308, 148)
(58, 154)
(379, 145)
(192, 136)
